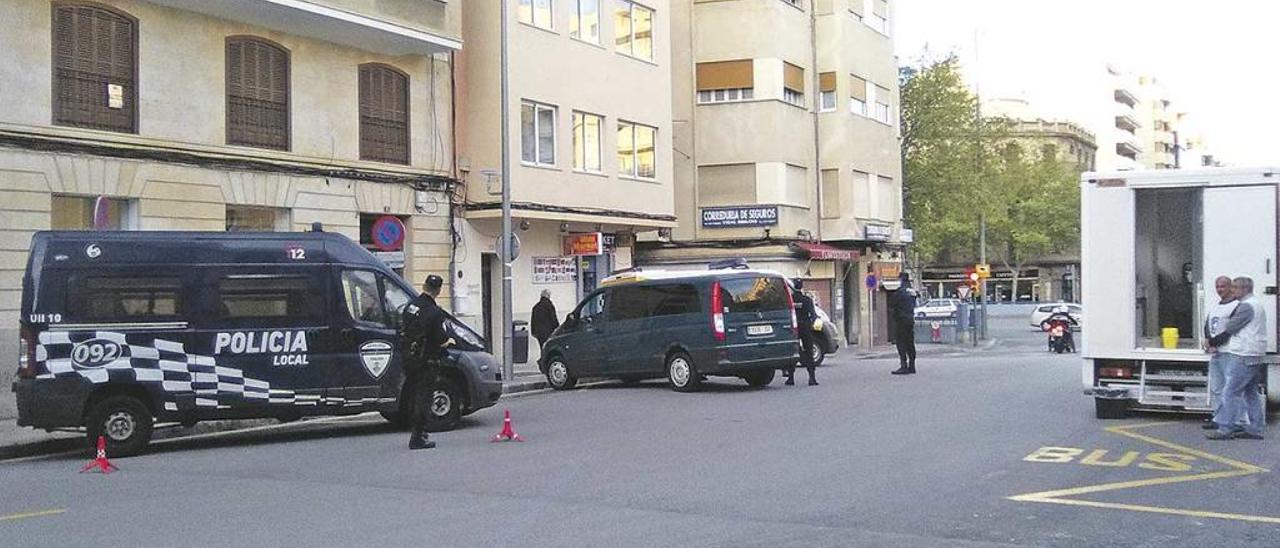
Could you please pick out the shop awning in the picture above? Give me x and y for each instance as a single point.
(824, 252)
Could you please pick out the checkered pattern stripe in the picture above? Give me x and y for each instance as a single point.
(166, 365)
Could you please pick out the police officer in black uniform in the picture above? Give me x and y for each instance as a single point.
(423, 339)
(902, 308)
(806, 315)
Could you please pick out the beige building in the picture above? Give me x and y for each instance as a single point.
(590, 148)
(786, 147)
(1064, 140)
(1158, 125)
(225, 115)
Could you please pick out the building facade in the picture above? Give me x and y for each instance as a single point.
(786, 148)
(1158, 125)
(590, 148)
(228, 115)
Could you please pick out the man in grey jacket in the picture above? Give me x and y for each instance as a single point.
(1243, 343)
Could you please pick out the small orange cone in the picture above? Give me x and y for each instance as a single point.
(100, 462)
(508, 433)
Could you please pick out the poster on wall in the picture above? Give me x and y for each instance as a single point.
(554, 270)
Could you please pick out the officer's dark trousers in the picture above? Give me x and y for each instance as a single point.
(423, 378)
(807, 342)
(904, 337)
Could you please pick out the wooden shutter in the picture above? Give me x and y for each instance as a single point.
(827, 81)
(95, 50)
(257, 93)
(726, 75)
(883, 95)
(792, 77)
(384, 114)
(858, 88)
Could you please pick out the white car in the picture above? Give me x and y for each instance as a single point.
(938, 308)
(1043, 311)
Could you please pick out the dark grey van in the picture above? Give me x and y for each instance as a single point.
(123, 330)
(681, 325)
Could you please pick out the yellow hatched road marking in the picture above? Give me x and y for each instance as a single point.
(1240, 469)
(25, 515)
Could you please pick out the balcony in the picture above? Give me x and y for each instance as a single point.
(401, 27)
(1126, 122)
(1128, 149)
(1126, 97)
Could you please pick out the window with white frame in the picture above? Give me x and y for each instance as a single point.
(879, 19)
(828, 101)
(537, 13)
(586, 141)
(792, 96)
(637, 145)
(584, 24)
(883, 112)
(826, 91)
(537, 133)
(725, 95)
(858, 91)
(633, 29)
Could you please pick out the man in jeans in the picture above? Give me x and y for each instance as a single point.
(1243, 343)
(1219, 313)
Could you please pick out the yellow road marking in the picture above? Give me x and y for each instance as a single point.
(1239, 469)
(15, 517)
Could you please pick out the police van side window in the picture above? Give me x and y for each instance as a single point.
(270, 299)
(629, 303)
(675, 299)
(592, 307)
(127, 299)
(364, 300)
(395, 298)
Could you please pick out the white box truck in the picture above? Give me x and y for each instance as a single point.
(1152, 243)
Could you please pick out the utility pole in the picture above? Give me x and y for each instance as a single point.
(504, 241)
(982, 293)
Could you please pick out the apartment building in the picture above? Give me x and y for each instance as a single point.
(226, 115)
(590, 148)
(786, 148)
(1158, 123)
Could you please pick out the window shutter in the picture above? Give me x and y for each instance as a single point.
(726, 75)
(827, 81)
(793, 77)
(883, 95)
(95, 56)
(858, 88)
(384, 115)
(257, 94)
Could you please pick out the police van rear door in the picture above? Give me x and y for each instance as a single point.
(372, 305)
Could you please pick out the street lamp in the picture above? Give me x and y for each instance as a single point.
(504, 243)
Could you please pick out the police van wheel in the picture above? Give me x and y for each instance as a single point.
(446, 407)
(819, 355)
(759, 379)
(682, 374)
(124, 422)
(559, 376)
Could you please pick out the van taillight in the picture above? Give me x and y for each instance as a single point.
(27, 353)
(791, 305)
(717, 312)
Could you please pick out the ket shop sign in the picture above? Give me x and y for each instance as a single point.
(576, 245)
(739, 216)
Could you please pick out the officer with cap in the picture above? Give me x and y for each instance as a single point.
(806, 316)
(423, 339)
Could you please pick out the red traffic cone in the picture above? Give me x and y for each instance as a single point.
(508, 433)
(100, 462)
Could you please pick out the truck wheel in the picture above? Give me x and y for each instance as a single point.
(559, 376)
(1110, 409)
(682, 374)
(124, 422)
(759, 379)
(446, 406)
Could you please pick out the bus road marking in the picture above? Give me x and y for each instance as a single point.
(1237, 469)
(25, 515)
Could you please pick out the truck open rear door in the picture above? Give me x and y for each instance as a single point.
(1240, 240)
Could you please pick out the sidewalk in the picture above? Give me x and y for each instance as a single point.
(16, 442)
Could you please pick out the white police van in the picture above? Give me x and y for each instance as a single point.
(124, 330)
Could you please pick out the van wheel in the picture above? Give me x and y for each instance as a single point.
(819, 355)
(558, 375)
(446, 406)
(759, 379)
(124, 421)
(682, 374)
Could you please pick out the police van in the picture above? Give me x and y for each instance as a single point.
(121, 331)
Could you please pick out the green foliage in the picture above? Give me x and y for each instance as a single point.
(958, 166)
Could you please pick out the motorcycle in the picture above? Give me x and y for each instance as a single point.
(1060, 338)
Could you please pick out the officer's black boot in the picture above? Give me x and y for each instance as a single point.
(813, 381)
(418, 440)
(790, 374)
(902, 370)
(911, 368)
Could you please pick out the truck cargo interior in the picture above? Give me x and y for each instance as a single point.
(1168, 266)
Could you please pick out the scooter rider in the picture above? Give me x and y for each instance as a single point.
(423, 340)
(1061, 314)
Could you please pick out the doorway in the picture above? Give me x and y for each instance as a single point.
(487, 262)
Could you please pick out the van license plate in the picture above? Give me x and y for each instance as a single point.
(754, 330)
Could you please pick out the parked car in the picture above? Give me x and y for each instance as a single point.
(120, 331)
(1043, 311)
(829, 337)
(938, 308)
(681, 325)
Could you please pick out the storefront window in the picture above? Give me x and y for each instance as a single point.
(257, 219)
(91, 213)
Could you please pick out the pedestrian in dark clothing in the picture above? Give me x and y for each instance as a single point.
(806, 315)
(423, 340)
(902, 311)
(544, 320)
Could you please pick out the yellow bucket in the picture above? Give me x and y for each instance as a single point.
(1169, 336)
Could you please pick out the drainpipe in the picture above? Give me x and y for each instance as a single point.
(817, 108)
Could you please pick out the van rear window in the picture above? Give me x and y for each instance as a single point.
(270, 297)
(761, 294)
(132, 298)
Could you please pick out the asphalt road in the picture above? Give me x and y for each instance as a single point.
(994, 448)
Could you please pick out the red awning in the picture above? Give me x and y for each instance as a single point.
(824, 252)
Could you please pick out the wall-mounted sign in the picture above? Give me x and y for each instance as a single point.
(739, 216)
(878, 233)
(554, 270)
(907, 235)
(576, 245)
(888, 271)
(388, 233)
(115, 96)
